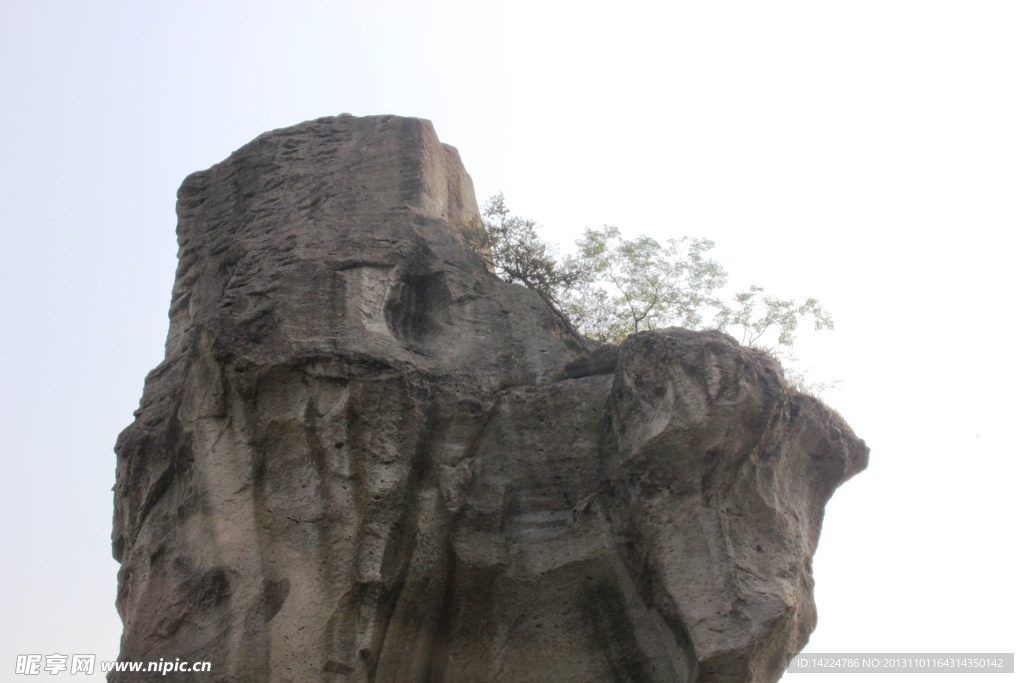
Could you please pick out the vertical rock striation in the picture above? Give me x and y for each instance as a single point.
(365, 458)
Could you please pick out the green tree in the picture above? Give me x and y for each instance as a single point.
(640, 284)
(756, 313)
(612, 287)
(516, 253)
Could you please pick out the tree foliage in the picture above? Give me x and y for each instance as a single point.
(516, 253)
(756, 313)
(640, 284)
(611, 287)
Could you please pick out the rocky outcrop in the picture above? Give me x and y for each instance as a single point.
(365, 458)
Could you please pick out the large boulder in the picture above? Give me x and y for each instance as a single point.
(366, 458)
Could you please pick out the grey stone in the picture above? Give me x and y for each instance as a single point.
(365, 458)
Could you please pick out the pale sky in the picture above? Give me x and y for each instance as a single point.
(870, 154)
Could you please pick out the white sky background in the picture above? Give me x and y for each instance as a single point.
(869, 154)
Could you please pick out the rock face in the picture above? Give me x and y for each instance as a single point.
(365, 458)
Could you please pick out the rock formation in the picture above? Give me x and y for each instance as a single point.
(365, 458)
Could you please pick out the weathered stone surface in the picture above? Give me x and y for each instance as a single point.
(365, 458)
